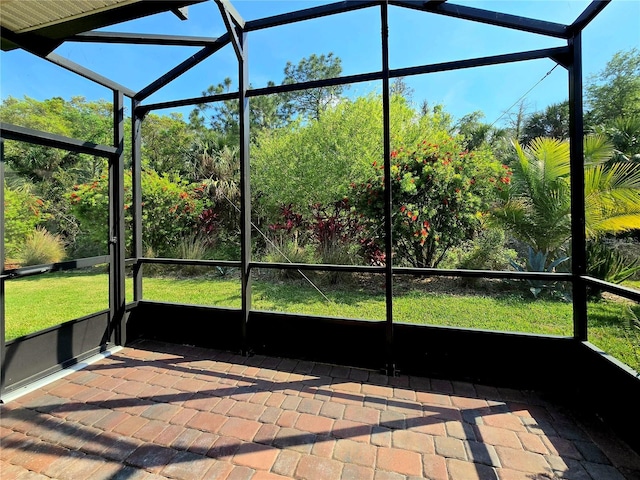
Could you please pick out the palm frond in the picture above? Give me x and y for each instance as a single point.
(552, 158)
(624, 174)
(619, 223)
(597, 149)
(537, 207)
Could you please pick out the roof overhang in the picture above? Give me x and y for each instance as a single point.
(42, 26)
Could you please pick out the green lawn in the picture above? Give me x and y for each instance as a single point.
(38, 302)
(35, 303)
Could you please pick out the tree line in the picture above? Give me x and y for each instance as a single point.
(465, 193)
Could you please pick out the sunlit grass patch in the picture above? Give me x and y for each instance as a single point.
(39, 302)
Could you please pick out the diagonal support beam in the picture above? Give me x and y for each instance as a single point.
(557, 54)
(88, 74)
(588, 15)
(228, 6)
(563, 59)
(233, 27)
(142, 110)
(44, 49)
(183, 67)
(554, 53)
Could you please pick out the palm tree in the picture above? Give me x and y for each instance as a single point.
(536, 208)
(612, 190)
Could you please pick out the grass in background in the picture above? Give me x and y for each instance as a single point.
(632, 284)
(351, 301)
(613, 329)
(510, 313)
(35, 303)
(193, 291)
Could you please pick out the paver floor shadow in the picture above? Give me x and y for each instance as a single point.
(157, 410)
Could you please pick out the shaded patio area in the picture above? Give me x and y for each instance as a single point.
(157, 410)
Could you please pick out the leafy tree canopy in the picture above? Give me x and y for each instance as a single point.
(309, 104)
(476, 133)
(166, 142)
(615, 91)
(273, 111)
(75, 118)
(314, 162)
(552, 122)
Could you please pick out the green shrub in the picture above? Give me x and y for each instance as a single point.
(441, 193)
(226, 246)
(485, 252)
(22, 213)
(90, 205)
(151, 269)
(630, 250)
(631, 331)
(288, 252)
(606, 263)
(170, 210)
(191, 248)
(41, 247)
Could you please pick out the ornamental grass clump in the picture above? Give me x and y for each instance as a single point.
(191, 248)
(42, 247)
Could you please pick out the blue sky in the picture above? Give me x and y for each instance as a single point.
(415, 38)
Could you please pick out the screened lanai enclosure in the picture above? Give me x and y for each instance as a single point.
(397, 334)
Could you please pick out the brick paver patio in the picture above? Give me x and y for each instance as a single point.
(156, 411)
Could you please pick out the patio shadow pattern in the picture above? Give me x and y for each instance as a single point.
(155, 410)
